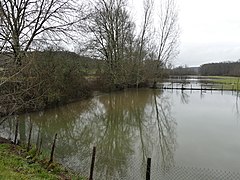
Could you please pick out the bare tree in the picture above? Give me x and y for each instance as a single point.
(115, 40)
(166, 37)
(111, 30)
(144, 36)
(25, 23)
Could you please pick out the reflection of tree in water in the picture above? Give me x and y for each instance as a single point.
(120, 125)
(108, 122)
(7, 127)
(166, 135)
(236, 106)
(184, 97)
(202, 94)
(115, 140)
(63, 121)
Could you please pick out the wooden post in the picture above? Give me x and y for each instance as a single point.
(148, 172)
(53, 148)
(39, 148)
(29, 136)
(237, 87)
(16, 132)
(38, 136)
(92, 163)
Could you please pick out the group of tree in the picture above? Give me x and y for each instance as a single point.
(34, 73)
(227, 68)
(131, 56)
(184, 71)
(221, 69)
(49, 78)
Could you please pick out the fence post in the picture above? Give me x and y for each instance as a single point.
(16, 131)
(148, 172)
(29, 136)
(38, 137)
(92, 163)
(53, 148)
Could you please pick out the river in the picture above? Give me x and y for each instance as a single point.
(192, 129)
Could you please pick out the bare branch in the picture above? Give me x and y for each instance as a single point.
(24, 21)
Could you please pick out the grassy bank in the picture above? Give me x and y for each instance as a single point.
(227, 81)
(16, 163)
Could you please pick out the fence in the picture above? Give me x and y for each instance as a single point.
(152, 170)
(199, 86)
(98, 166)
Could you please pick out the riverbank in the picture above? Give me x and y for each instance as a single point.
(206, 82)
(230, 82)
(17, 163)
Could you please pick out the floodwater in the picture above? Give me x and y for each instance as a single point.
(175, 128)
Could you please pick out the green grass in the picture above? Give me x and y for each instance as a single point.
(15, 163)
(228, 82)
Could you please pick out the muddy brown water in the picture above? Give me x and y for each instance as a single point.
(175, 128)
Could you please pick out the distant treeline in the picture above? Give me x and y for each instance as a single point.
(229, 68)
(183, 71)
(221, 69)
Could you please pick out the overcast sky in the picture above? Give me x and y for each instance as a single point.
(210, 31)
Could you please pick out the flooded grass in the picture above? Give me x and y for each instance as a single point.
(229, 83)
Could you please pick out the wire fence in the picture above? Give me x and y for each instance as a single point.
(190, 173)
(92, 165)
(150, 169)
(199, 86)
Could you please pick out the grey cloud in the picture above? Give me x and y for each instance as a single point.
(194, 54)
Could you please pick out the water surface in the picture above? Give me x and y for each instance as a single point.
(175, 128)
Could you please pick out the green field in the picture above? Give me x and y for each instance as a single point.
(229, 83)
